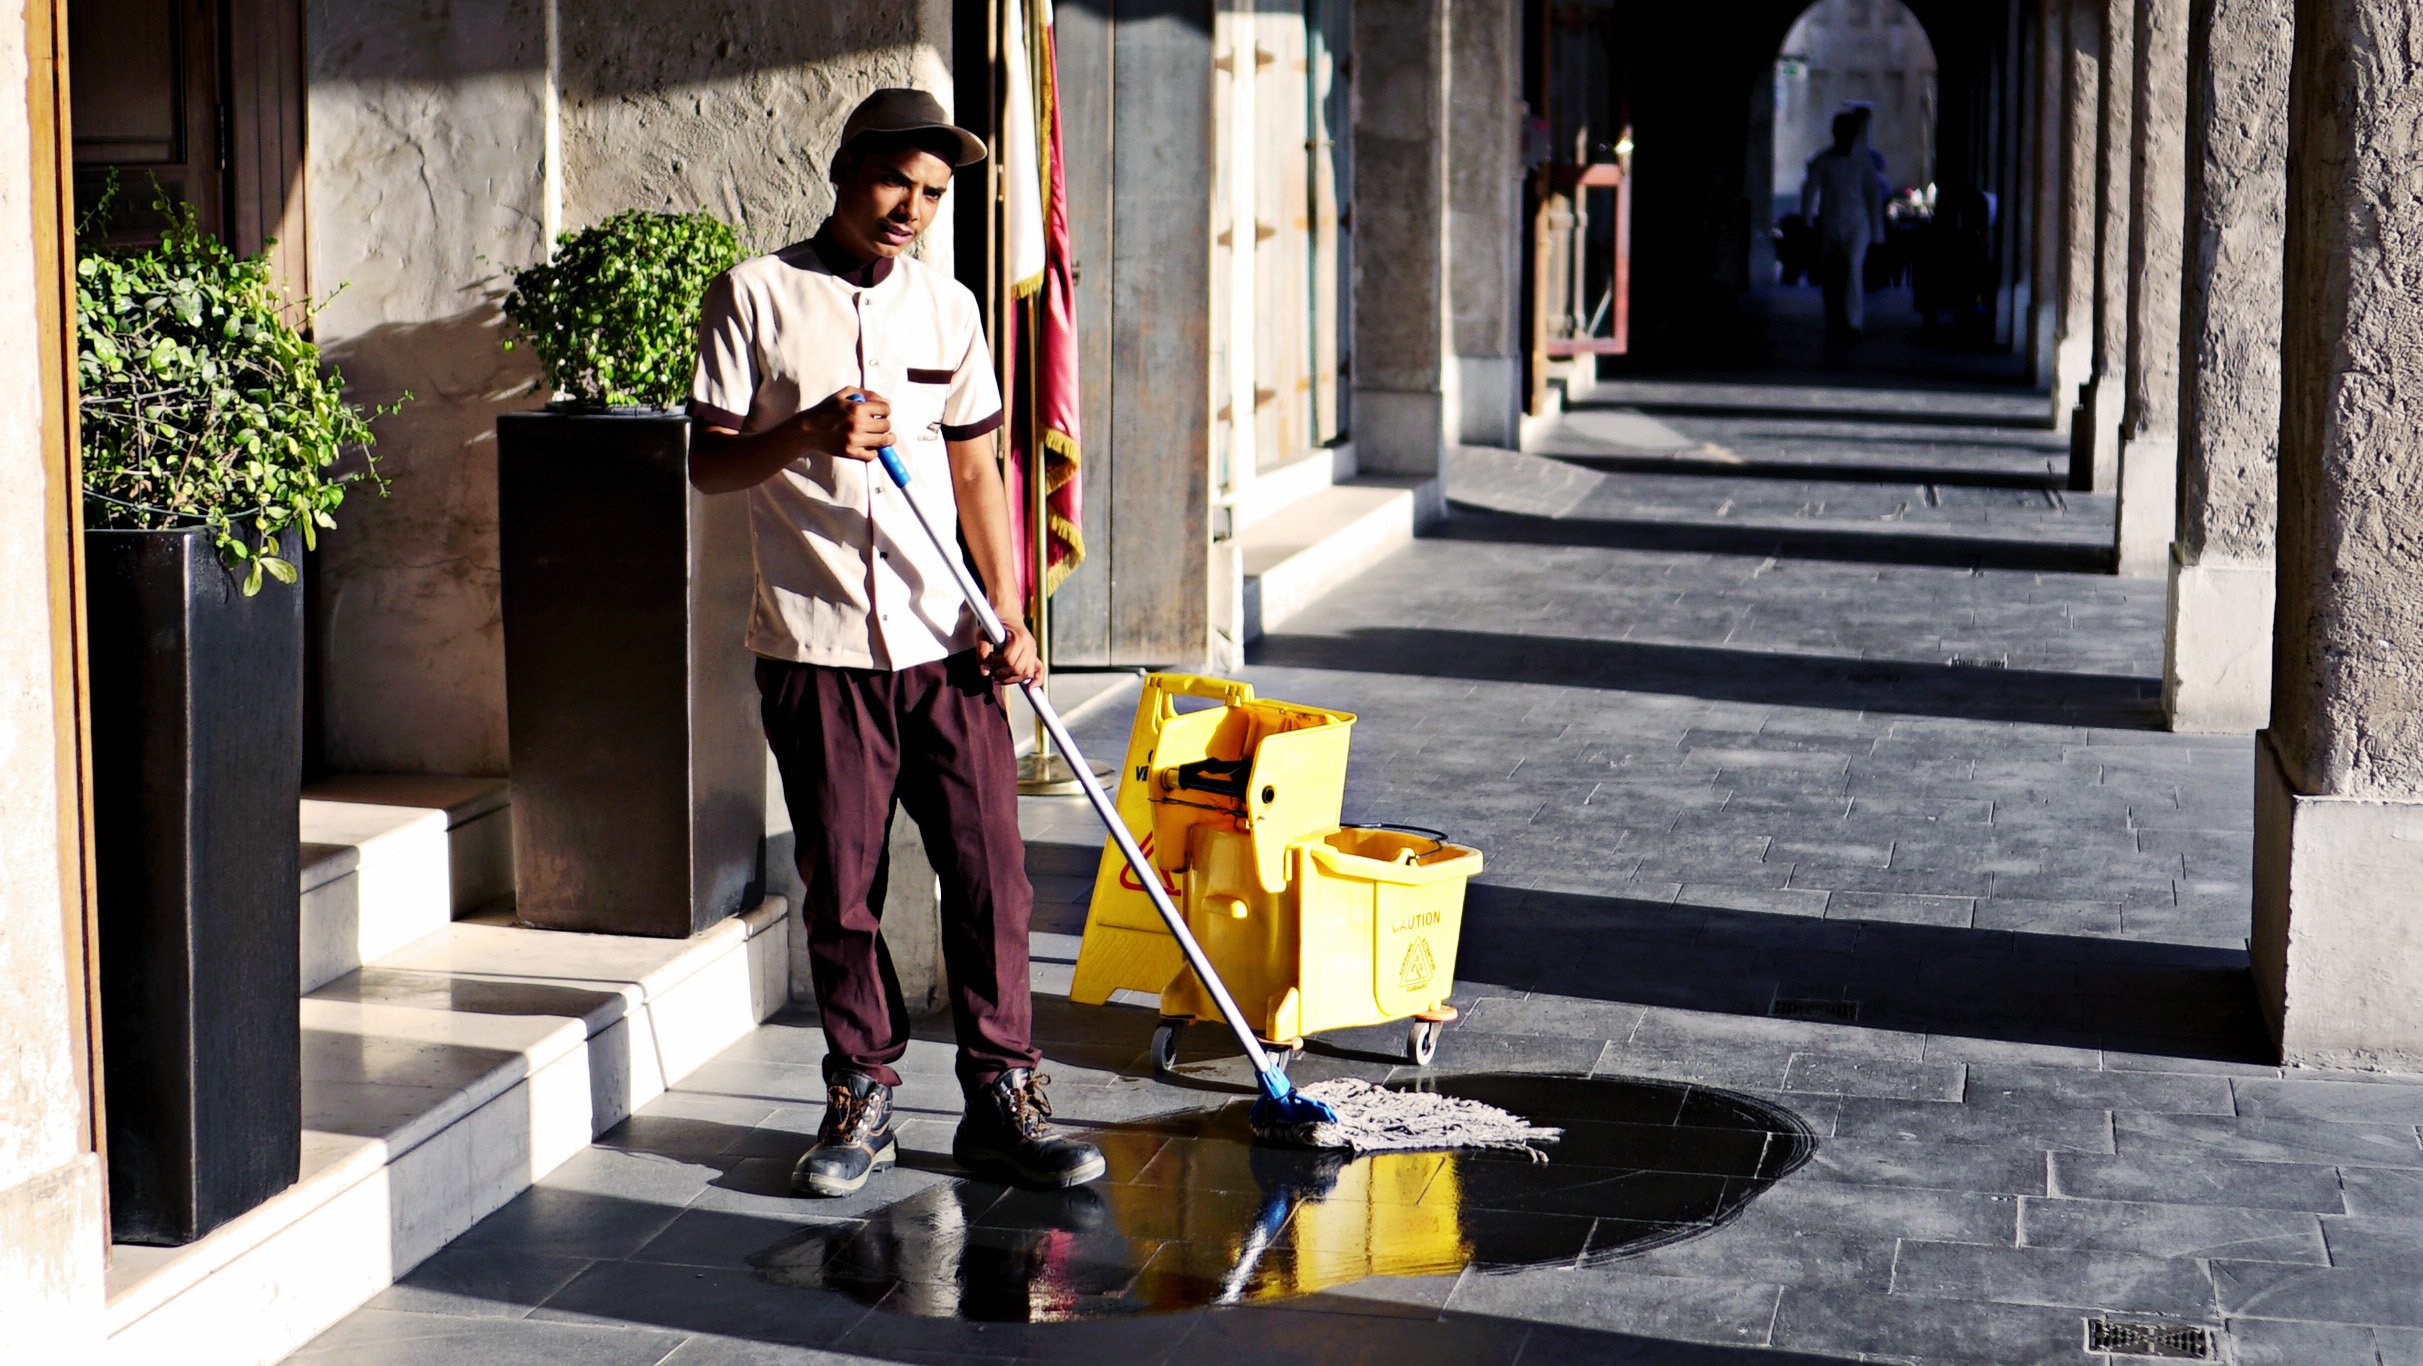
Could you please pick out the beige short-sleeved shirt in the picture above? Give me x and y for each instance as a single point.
(844, 575)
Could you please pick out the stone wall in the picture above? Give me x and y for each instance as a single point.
(448, 144)
(51, 1240)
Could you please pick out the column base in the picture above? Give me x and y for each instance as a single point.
(2073, 358)
(2149, 504)
(1400, 431)
(2337, 951)
(2095, 435)
(2217, 655)
(1490, 408)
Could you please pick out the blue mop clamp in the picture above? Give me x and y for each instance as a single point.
(1282, 1110)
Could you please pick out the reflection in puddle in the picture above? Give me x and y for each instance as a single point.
(1194, 1214)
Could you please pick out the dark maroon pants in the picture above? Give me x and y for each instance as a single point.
(850, 741)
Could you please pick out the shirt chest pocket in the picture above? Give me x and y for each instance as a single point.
(917, 404)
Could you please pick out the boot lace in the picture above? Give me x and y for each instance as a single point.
(846, 1113)
(1030, 1111)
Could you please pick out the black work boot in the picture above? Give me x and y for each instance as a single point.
(1008, 1135)
(854, 1142)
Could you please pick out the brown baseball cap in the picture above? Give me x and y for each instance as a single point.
(899, 109)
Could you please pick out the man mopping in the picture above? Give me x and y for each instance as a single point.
(875, 682)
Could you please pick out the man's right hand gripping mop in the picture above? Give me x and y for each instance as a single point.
(1342, 1113)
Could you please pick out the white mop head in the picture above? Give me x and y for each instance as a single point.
(1374, 1119)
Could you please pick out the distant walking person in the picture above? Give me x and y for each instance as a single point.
(1844, 196)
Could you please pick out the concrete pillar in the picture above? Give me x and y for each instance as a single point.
(1403, 381)
(2149, 424)
(2217, 671)
(2338, 941)
(2095, 432)
(2081, 51)
(2045, 188)
(1485, 219)
(2095, 428)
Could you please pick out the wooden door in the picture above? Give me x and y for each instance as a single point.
(195, 102)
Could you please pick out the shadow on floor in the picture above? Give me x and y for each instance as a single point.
(1199, 1246)
(1760, 677)
(1798, 471)
(1897, 547)
(2132, 996)
(1805, 412)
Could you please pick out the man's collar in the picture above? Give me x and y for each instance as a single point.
(864, 272)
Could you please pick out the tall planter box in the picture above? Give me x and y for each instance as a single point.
(197, 753)
(639, 769)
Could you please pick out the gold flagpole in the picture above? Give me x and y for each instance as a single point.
(1042, 772)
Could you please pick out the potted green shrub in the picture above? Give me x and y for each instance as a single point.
(211, 442)
(630, 708)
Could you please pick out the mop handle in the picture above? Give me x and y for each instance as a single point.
(1274, 1084)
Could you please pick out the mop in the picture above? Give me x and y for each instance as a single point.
(1342, 1113)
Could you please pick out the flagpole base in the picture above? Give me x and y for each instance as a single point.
(1044, 774)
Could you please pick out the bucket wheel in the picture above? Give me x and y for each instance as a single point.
(1165, 1045)
(1422, 1041)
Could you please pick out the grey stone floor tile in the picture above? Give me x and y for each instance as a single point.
(2399, 1346)
(2358, 1240)
(1863, 1326)
(570, 1224)
(2274, 1342)
(2030, 1128)
(708, 1349)
(2382, 1296)
(2120, 1281)
(2383, 1101)
(2156, 1230)
(2198, 1181)
(2197, 1137)
(1261, 1333)
(1825, 1074)
(1555, 1017)
(2073, 1088)
(1686, 1309)
(1888, 1212)
(2381, 1192)
(1885, 1162)
(687, 1300)
(383, 1337)
(722, 1238)
(480, 1282)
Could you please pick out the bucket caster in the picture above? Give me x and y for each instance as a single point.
(1422, 1042)
(1165, 1046)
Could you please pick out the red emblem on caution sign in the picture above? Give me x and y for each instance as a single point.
(1127, 875)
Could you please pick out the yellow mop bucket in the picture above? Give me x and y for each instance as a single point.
(1268, 771)
(1313, 927)
(1364, 932)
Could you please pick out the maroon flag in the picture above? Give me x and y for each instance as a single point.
(1044, 391)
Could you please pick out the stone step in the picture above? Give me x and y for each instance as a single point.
(1316, 543)
(1273, 490)
(389, 858)
(439, 1083)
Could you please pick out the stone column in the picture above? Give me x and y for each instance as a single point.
(2217, 673)
(2045, 193)
(2081, 133)
(2095, 433)
(2338, 938)
(1401, 350)
(2149, 424)
(1485, 219)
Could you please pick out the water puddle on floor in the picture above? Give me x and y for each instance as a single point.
(1194, 1213)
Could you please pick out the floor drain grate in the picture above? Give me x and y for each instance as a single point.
(1810, 1008)
(2169, 1341)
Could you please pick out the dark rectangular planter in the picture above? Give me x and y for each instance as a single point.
(639, 770)
(197, 752)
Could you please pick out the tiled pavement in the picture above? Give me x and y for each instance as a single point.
(1750, 697)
